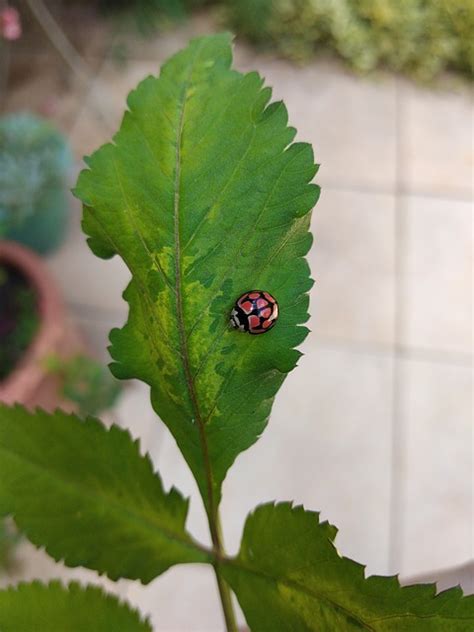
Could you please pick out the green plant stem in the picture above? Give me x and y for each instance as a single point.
(224, 590)
(212, 509)
(226, 600)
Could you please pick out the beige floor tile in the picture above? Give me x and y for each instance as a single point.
(184, 599)
(327, 447)
(84, 278)
(103, 109)
(349, 121)
(436, 298)
(352, 262)
(436, 472)
(437, 140)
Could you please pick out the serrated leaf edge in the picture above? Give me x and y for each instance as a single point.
(190, 543)
(455, 591)
(78, 586)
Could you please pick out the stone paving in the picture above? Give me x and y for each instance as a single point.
(374, 429)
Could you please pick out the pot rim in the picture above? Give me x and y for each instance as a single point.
(29, 370)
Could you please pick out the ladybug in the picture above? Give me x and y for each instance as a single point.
(255, 312)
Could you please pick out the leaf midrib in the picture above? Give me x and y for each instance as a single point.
(299, 588)
(190, 384)
(294, 585)
(115, 506)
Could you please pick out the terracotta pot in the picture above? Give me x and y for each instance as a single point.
(28, 383)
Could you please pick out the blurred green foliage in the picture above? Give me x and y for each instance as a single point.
(419, 37)
(85, 382)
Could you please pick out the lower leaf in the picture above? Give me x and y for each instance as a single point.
(289, 576)
(53, 607)
(87, 495)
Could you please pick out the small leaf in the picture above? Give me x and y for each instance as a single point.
(55, 608)
(204, 197)
(87, 495)
(289, 576)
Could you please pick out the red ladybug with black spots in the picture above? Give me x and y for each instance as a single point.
(255, 312)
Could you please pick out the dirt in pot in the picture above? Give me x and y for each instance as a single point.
(19, 317)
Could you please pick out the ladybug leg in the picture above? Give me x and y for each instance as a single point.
(235, 320)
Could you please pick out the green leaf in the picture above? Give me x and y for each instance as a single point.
(289, 576)
(55, 608)
(87, 495)
(203, 196)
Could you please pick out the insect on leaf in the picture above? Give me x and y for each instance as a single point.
(289, 576)
(204, 197)
(87, 495)
(74, 608)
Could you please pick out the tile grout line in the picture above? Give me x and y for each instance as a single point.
(400, 351)
(400, 190)
(398, 436)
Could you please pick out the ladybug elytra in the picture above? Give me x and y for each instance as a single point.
(255, 312)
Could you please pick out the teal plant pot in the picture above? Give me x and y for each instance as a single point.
(35, 161)
(45, 230)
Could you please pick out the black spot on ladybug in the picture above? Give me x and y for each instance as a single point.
(255, 312)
